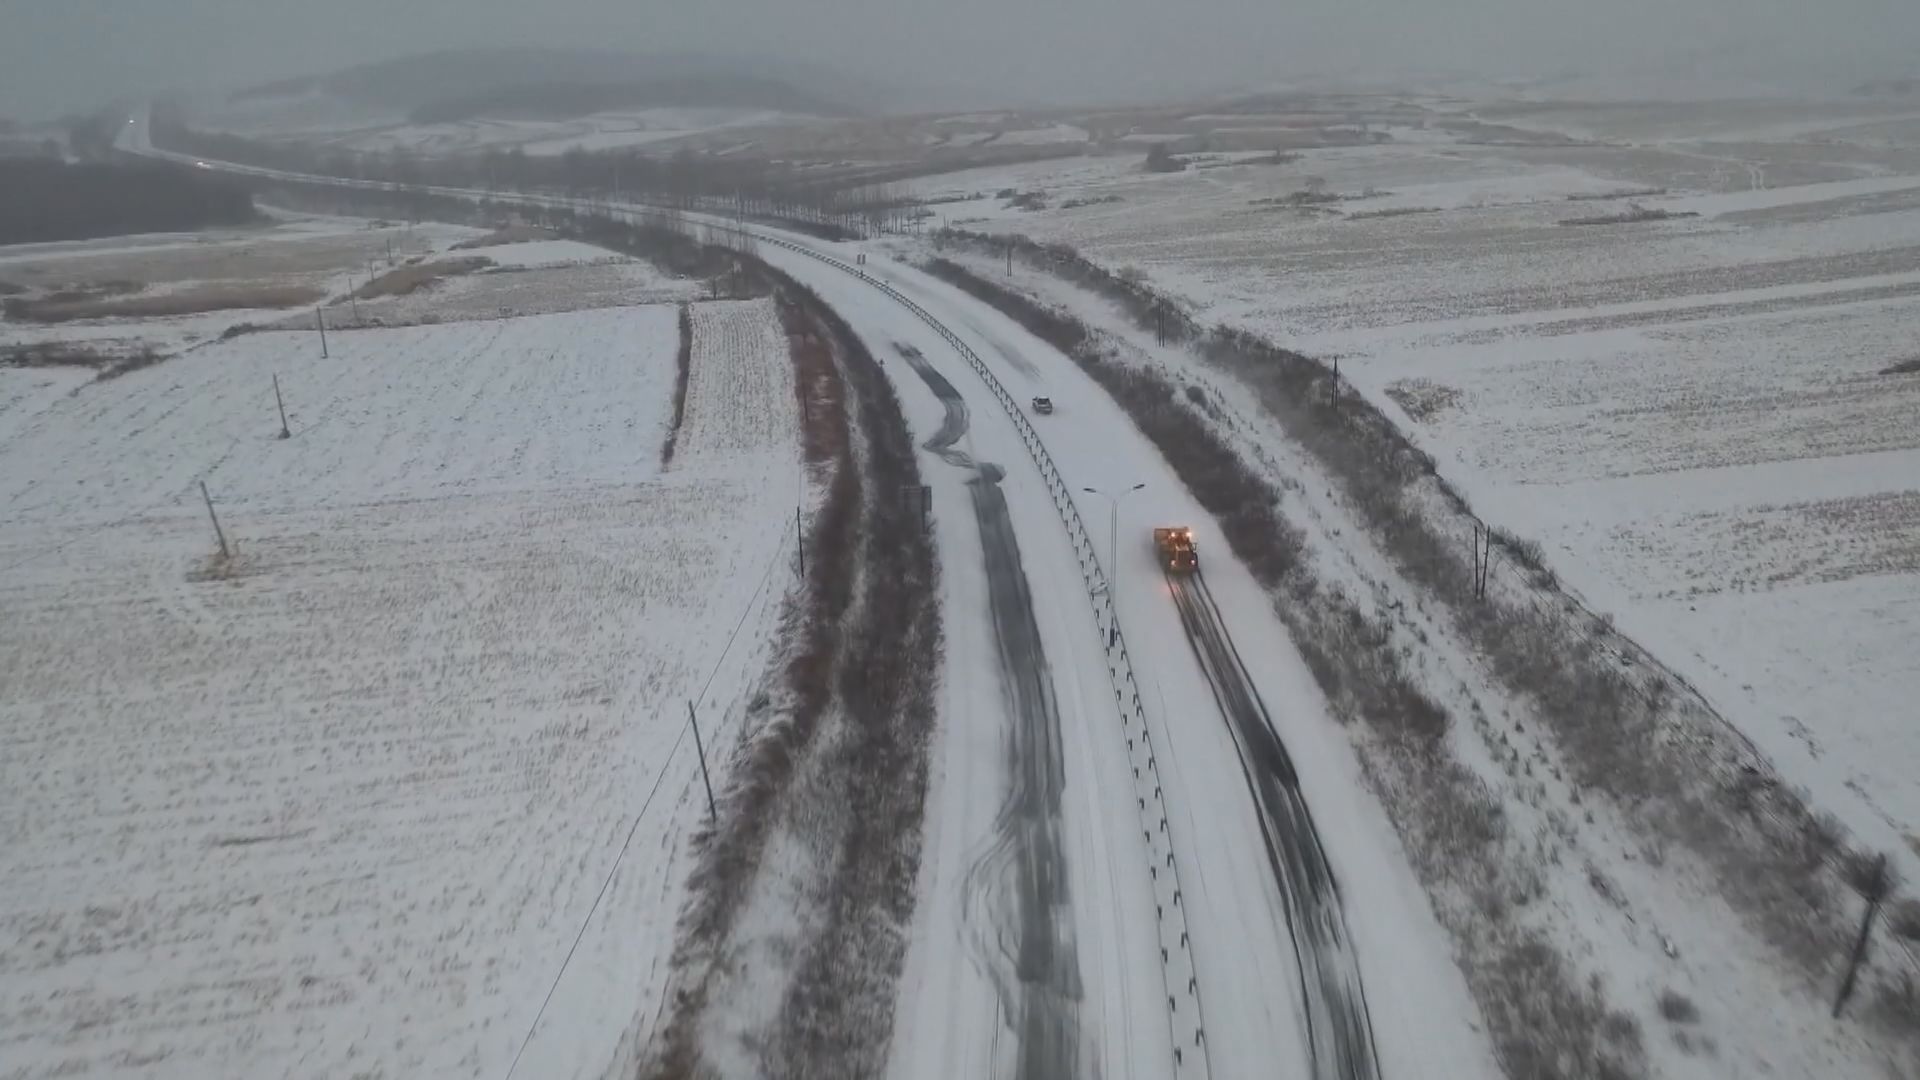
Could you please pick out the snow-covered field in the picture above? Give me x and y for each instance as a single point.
(344, 804)
(1695, 416)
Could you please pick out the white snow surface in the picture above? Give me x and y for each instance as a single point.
(346, 807)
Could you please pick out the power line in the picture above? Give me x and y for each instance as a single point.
(634, 829)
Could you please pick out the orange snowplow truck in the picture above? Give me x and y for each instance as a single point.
(1175, 545)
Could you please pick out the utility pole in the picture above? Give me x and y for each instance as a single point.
(277, 400)
(1333, 388)
(800, 536)
(320, 317)
(217, 533)
(713, 811)
(1482, 559)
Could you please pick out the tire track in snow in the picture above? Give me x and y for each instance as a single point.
(1025, 936)
(1339, 1028)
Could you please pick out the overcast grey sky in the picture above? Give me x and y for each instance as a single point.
(58, 55)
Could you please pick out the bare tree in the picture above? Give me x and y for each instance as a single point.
(1874, 878)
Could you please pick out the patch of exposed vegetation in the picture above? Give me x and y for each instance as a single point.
(407, 280)
(1161, 160)
(1398, 211)
(684, 364)
(1094, 200)
(1633, 215)
(1606, 196)
(1423, 399)
(56, 354)
(70, 306)
(506, 234)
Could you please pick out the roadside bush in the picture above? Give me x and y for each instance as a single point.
(867, 624)
(71, 307)
(146, 357)
(1527, 553)
(683, 365)
(1161, 160)
(407, 280)
(55, 354)
(838, 1015)
(1567, 1032)
(1904, 920)
(1678, 1008)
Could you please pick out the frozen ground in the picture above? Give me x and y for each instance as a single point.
(342, 805)
(1589, 385)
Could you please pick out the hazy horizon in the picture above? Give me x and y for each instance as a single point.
(75, 56)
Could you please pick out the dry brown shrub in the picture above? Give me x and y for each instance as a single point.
(406, 280)
(185, 302)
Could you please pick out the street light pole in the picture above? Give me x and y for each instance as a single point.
(1113, 526)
